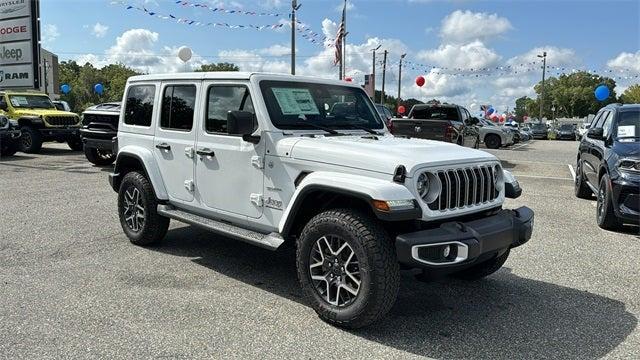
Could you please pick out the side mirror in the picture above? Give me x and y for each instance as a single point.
(475, 121)
(4, 106)
(242, 123)
(595, 134)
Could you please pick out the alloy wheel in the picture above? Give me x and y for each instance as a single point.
(600, 204)
(26, 140)
(133, 209)
(335, 271)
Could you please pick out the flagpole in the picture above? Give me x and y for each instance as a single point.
(344, 41)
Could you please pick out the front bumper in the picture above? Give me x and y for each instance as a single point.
(626, 198)
(9, 134)
(561, 136)
(540, 136)
(469, 242)
(59, 131)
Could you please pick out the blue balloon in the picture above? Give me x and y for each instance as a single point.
(602, 93)
(65, 88)
(98, 88)
(490, 111)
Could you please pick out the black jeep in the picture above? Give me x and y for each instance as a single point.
(100, 132)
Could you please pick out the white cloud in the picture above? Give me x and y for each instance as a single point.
(99, 30)
(555, 56)
(340, 6)
(49, 34)
(276, 50)
(468, 56)
(465, 26)
(626, 60)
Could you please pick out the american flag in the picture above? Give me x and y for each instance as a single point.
(340, 37)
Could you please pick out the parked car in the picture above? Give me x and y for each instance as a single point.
(100, 132)
(540, 131)
(514, 132)
(62, 105)
(492, 135)
(9, 137)
(609, 165)
(39, 120)
(442, 122)
(259, 158)
(567, 131)
(385, 114)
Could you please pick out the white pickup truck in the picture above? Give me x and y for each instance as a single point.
(271, 159)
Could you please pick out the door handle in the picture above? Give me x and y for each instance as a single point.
(206, 152)
(164, 146)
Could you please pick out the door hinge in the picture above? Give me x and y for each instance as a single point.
(188, 184)
(256, 199)
(189, 152)
(257, 162)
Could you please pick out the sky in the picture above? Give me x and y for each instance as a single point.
(448, 42)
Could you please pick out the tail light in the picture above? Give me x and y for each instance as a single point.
(449, 132)
(390, 125)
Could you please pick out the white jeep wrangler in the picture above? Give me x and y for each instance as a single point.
(271, 159)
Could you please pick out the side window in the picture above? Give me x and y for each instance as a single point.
(139, 105)
(606, 127)
(597, 122)
(463, 114)
(178, 103)
(221, 99)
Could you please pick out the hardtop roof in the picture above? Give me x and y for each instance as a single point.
(237, 75)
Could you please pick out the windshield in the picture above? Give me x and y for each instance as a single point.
(296, 105)
(539, 127)
(628, 125)
(566, 127)
(487, 123)
(31, 102)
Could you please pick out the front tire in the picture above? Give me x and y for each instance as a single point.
(8, 148)
(30, 140)
(137, 209)
(492, 141)
(581, 189)
(604, 209)
(98, 157)
(483, 269)
(75, 143)
(347, 267)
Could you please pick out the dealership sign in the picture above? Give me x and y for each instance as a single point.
(19, 44)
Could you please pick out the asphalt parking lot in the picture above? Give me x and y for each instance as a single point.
(72, 286)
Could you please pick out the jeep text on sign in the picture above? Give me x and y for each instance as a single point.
(16, 53)
(16, 76)
(15, 30)
(14, 8)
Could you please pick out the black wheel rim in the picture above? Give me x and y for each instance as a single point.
(335, 271)
(600, 204)
(104, 155)
(26, 140)
(133, 209)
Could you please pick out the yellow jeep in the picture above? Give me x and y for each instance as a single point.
(39, 120)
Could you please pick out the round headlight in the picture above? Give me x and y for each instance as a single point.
(422, 185)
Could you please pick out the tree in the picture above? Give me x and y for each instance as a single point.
(572, 95)
(524, 107)
(631, 95)
(223, 66)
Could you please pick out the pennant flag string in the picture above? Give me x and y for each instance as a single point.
(222, 10)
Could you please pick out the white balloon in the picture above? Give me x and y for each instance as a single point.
(184, 53)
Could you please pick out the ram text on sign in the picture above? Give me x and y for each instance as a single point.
(15, 30)
(16, 53)
(14, 8)
(15, 76)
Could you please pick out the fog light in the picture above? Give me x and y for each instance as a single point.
(446, 251)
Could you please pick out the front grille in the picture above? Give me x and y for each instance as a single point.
(465, 187)
(61, 120)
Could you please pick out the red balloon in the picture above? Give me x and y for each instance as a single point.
(420, 80)
(348, 79)
(401, 109)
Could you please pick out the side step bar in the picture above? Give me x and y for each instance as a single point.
(267, 241)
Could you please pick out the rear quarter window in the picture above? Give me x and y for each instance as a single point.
(139, 105)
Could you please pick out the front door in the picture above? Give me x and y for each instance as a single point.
(175, 139)
(229, 176)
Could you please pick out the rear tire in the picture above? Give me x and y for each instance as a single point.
(483, 269)
(366, 263)
(137, 209)
(582, 191)
(30, 140)
(492, 141)
(98, 157)
(605, 213)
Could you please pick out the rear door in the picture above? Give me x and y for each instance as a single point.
(175, 138)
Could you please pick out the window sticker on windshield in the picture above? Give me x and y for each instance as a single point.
(627, 131)
(295, 101)
(19, 101)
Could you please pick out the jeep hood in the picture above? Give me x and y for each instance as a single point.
(41, 112)
(384, 153)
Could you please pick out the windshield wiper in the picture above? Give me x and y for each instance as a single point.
(320, 127)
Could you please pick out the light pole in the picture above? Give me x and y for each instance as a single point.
(294, 8)
(384, 75)
(544, 68)
(400, 76)
(373, 72)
